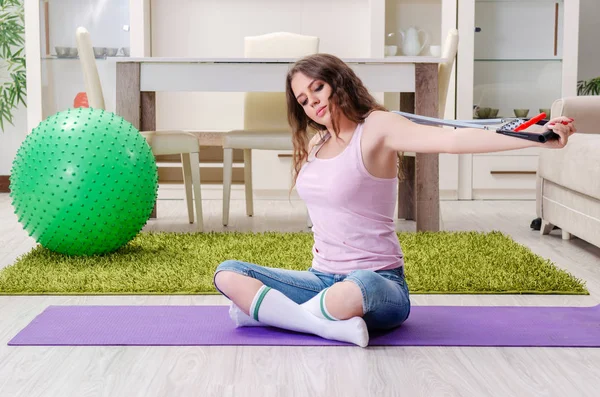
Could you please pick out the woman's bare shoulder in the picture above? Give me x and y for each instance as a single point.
(380, 118)
(374, 124)
(379, 122)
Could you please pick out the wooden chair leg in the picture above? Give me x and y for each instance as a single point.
(187, 184)
(406, 190)
(227, 170)
(195, 166)
(248, 181)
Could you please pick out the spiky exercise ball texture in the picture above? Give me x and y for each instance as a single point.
(83, 182)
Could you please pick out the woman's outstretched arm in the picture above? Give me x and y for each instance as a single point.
(400, 134)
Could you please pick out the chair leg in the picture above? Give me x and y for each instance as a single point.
(227, 170)
(309, 221)
(566, 235)
(187, 184)
(248, 181)
(195, 166)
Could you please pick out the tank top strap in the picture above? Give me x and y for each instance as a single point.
(318, 146)
(357, 136)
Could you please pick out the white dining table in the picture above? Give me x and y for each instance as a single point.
(138, 79)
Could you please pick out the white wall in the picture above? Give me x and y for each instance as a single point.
(589, 33)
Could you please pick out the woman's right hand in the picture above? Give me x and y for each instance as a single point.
(564, 127)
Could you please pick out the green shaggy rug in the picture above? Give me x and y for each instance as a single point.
(179, 263)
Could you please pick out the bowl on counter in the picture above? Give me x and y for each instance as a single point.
(521, 113)
(484, 112)
(66, 52)
(99, 52)
(111, 52)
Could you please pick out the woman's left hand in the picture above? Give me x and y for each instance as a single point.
(564, 127)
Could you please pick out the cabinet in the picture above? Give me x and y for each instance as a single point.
(53, 68)
(512, 55)
(272, 171)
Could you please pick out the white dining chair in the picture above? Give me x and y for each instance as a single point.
(266, 125)
(161, 142)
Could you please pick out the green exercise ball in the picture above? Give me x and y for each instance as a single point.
(83, 182)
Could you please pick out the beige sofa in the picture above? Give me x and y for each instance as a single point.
(568, 179)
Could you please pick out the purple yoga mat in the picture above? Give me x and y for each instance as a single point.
(211, 325)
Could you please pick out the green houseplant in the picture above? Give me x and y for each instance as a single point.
(589, 87)
(12, 59)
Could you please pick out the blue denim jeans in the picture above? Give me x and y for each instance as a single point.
(386, 302)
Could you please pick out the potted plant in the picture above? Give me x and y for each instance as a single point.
(589, 87)
(12, 59)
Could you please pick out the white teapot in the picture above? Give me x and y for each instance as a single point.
(411, 44)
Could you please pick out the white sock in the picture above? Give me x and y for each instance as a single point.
(241, 319)
(316, 306)
(273, 308)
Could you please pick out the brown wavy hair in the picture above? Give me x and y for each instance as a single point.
(348, 96)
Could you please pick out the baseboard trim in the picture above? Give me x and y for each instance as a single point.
(448, 195)
(4, 183)
(504, 194)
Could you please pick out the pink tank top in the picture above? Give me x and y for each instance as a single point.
(351, 210)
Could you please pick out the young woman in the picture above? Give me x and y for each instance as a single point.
(347, 176)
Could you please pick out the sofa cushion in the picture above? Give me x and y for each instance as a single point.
(576, 166)
(584, 109)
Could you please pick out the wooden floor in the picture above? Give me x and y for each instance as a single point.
(303, 371)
